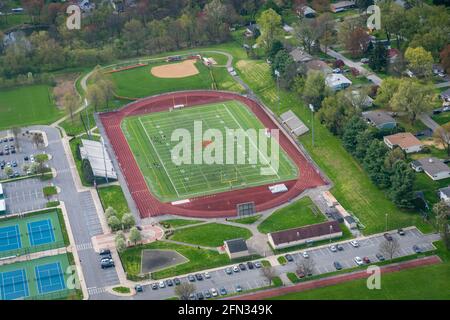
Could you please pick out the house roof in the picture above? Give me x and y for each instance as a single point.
(342, 4)
(307, 11)
(318, 65)
(236, 245)
(307, 232)
(300, 56)
(378, 117)
(445, 191)
(433, 166)
(403, 139)
(336, 79)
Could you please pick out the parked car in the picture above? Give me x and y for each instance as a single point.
(107, 263)
(388, 237)
(176, 281)
(238, 288)
(228, 271)
(139, 288)
(337, 265)
(358, 261)
(401, 232)
(191, 278)
(191, 297)
(300, 274)
(289, 257)
(236, 269)
(366, 260)
(207, 294)
(161, 284)
(198, 276)
(417, 249)
(169, 282)
(364, 60)
(333, 248)
(250, 265)
(354, 243)
(200, 296)
(105, 257)
(380, 257)
(305, 254)
(214, 292)
(154, 286)
(340, 247)
(207, 275)
(223, 291)
(242, 267)
(257, 264)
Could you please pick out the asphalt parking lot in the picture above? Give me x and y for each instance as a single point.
(24, 195)
(323, 259)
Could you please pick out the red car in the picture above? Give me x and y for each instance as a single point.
(366, 259)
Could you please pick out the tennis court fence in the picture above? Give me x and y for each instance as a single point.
(28, 250)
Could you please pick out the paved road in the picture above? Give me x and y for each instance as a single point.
(323, 259)
(82, 216)
(428, 121)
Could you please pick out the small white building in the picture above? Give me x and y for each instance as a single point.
(405, 140)
(337, 81)
(236, 248)
(2, 206)
(435, 168)
(99, 159)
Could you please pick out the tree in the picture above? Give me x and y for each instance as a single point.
(305, 266)
(16, 131)
(134, 35)
(70, 103)
(353, 127)
(413, 98)
(357, 42)
(9, 171)
(121, 244)
(274, 49)
(442, 135)
(402, 183)
(135, 235)
(95, 96)
(286, 66)
(389, 248)
(269, 273)
(374, 163)
(394, 155)
(114, 223)
(420, 61)
(335, 112)
(41, 160)
(378, 58)
(33, 8)
(306, 34)
(363, 140)
(314, 90)
(387, 89)
(184, 290)
(442, 212)
(128, 221)
(38, 139)
(110, 212)
(270, 25)
(326, 29)
(445, 58)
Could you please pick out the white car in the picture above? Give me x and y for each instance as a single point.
(162, 284)
(359, 261)
(207, 275)
(214, 292)
(333, 248)
(305, 255)
(32, 158)
(354, 243)
(236, 269)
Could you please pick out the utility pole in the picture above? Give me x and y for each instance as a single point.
(331, 228)
(311, 107)
(277, 73)
(386, 222)
(104, 160)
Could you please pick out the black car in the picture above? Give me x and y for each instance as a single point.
(154, 286)
(401, 232)
(26, 158)
(223, 291)
(250, 265)
(207, 294)
(242, 267)
(106, 256)
(340, 247)
(388, 236)
(176, 281)
(105, 252)
(337, 265)
(289, 257)
(380, 256)
(169, 282)
(199, 276)
(1, 153)
(107, 263)
(191, 278)
(200, 296)
(417, 249)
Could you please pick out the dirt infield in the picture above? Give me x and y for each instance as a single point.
(211, 206)
(325, 282)
(183, 69)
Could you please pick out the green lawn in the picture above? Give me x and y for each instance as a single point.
(300, 213)
(429, 187)
(210, 235)
(27, 105)
(12, 20)
(112, 196)
(155, 153)
(352, 187)
(441, 118)
(176, 223)
(247, 220)
(199, 259)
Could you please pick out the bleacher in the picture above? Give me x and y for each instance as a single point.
(293, 123)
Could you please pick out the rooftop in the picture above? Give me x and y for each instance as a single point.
(300, 56)
(445, 191)
(98, 157)
(403, 140)
(236, 245)
(378, 117)
(307, 232)
(336, 79)
(433, 166)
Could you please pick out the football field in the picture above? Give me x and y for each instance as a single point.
(150, 139)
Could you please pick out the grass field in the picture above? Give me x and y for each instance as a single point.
(112, 196)
(176, 223)
(247, 220)
(442, 118)
(210, 235)
(149, 139)
(27, 105)
(352, 187)
(300, 213)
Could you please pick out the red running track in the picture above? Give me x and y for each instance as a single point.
(217, 205)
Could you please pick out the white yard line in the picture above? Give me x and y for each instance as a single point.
(157, 154)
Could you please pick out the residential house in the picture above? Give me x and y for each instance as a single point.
(435, 168)
(306, 234)
(300, 56)
(318, 65)
(380, 119)
(405, 140)
(359, 101)
(444, 194)
(342, 6)
(236, 248)
(251, 30)
(306, 12)
(337, 81)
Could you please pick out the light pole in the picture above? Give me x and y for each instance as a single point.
(311, 107)
(277, 73)
(331, 228)
(386, 222)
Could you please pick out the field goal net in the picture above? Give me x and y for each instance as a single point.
(246, 209)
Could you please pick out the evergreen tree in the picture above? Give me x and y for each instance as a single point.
(402, 181)
(354, 126)
(378, 58)
(374, 163)
(363, 139)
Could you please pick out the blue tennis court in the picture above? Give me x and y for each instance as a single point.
(13, 284)
(49, 277)
(10, 238)
(41, 232)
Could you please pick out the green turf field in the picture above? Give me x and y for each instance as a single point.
(149, 137)
(27, 105)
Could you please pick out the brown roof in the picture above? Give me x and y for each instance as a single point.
(403, 140)
(315, 230)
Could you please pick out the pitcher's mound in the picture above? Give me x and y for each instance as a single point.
(183, 69)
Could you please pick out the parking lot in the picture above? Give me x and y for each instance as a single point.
(24, 195)
(323, 263)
